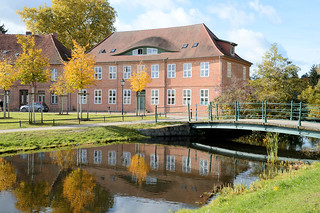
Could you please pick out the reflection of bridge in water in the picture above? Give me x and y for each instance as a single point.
(177, 174)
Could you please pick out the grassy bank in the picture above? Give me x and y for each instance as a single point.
(296, 191)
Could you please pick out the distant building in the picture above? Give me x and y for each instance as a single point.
(187, 64)
(56, 52)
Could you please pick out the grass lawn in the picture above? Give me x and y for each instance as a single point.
(50, 119)
(296, 191)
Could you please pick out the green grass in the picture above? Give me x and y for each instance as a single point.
(297, 191)
(60, 120)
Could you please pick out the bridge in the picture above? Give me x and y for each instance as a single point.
(288, 118)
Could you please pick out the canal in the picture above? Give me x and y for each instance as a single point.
(135, 177)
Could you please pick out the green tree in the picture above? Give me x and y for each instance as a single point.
(276, 78)
(313, 76)
(32, 67)
(84, 21)
(3, 30)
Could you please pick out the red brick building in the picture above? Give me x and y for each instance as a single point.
(56, 52)
(187, 64)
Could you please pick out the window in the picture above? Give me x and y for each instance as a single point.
(186, 164)
(185, 46)
(244, 73)
(41, 96)
(228, 69)
(195, 44)
(204, 97)
(127, 96)
(112, 72)
(186, 96)
(204, 69)
(102, 51)
(126, 72)
(41, 155)
(170, 163)
(203, 167)
(152, 51)
(232, 50)
(137, 51)
(154, 97)
(154, 161)
(112, 158)
(97, 156)
(171, 94)
(54, 98)
(140, 68)
(98, 73)
(54, 74)
(171, 70)
(113, 50)
(126, 158)
(97, 96)
(155, 71)
(187, 70)
(83, 97)
(112, 96)
(82, 155)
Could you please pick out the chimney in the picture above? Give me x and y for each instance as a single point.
(28, 33)
(55, 35)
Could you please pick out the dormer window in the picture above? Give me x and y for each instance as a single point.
(232, 50)
(195, 44)
(185, 46)
(102, 51)
(5, 52)
(16, 55)
(152, 51)
(137, 51)
(113, 50)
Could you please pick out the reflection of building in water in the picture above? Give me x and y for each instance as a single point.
(176, 174)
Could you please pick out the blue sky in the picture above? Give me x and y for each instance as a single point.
(253, 24)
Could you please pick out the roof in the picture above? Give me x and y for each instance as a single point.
(51, 47)
(169, 39)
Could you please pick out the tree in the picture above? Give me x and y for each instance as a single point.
(313, 76)
(84, 21)
(8, 176)
(139, 168)
(32, 67)
(276, 79)
(79, 71)
(3, 30)
(139, 81)
(61, 88)
(7, 77)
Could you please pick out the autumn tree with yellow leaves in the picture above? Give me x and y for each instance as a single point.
(79, 71)
(32, 67)
(8, 76)
(8, 176)
(139, 168)
(61, 88)
(139, 81)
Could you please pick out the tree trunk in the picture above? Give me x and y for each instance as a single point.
(4, 104)
(81, 104)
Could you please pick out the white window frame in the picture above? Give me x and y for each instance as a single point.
(186, 166)
(112, 72)
(229, 69)
(98, 96)
(187, 70)
(112, 97)
(154, 97)
(204, 98)
(112, 158)
(155, 71)
(54, 74)
(98, 73)
(136, 51)
(127, 96)
(154, 161)
(83, 97)
(97, 156)
(126, 158)
(126, 71)
(204, 69)
(244, 73)
(170, 164)
(203, 167)
(186, 97)
(41, 97)
(171, 96)
(140, 68)
(53, 98)
(171, 70)
(152, 51)
(83, 155)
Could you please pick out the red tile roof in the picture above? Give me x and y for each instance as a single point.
(51, 47)
(170, 39)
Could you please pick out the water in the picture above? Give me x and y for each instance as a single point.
(117, 178)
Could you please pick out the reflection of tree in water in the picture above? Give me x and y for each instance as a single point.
(288, 142)
(7, 175)
(139, 168)
(64, 158)
(32, 197)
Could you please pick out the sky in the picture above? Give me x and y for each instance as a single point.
(253, 24)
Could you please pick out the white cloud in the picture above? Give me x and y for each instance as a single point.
(232, 12)
(14, 27)
(267, 11)
(252, 45)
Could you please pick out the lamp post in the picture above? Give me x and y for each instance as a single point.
(122, 84)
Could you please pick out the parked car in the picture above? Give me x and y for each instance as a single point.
(37, 107)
